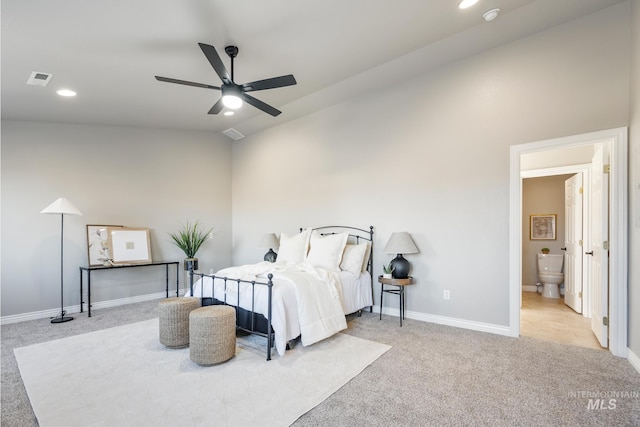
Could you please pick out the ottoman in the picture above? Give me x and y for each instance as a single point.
(212, 334)
(173, 316)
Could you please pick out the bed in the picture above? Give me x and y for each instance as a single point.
(321, 275)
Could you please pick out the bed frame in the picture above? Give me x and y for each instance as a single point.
(251, 322)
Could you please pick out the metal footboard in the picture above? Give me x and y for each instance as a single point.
(252, 327)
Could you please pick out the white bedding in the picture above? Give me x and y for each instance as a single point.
(306, 301)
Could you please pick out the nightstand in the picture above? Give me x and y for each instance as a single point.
(400, 285)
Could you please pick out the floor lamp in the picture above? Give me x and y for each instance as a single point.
(61, 206)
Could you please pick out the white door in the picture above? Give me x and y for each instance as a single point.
(573, 242)
(598, 253)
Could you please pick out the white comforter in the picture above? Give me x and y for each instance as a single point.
(306, 300)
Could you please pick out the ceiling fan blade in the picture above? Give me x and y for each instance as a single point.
(271, 83)
(217, 107)
(184, 82)
(260, 105)
(215, 61)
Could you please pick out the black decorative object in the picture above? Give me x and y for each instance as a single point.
(270, 256)
(401, 267)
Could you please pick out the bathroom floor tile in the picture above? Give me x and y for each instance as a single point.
(551, 320)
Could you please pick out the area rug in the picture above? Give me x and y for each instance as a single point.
(123, 376)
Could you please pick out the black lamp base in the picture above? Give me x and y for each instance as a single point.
(270, 256)
(401, 267)
(61, 319)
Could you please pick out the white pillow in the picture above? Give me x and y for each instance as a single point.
(367, 254)
(293, 248)
(353, 258)
(326, 251)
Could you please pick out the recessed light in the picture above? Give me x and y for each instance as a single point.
(464, 4)
(229, 113)
(491, 14)
(66, 92)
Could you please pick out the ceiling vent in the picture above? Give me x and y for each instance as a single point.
(39, 79)
(233, 134)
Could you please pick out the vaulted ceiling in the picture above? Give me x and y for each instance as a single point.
(109, 51)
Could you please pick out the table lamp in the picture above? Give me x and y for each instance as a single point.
(269, 240)
(400, 243)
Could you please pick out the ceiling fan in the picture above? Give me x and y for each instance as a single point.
(234, 94)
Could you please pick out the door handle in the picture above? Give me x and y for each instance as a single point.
(563, 249)
(589, 253)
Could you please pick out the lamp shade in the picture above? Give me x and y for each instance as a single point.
(269, 240)
(61, 206)
(400, 242)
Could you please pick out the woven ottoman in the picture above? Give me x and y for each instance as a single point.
(173, 314)
(212, 334)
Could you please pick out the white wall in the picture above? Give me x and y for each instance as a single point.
(431, 156)
(122, 176)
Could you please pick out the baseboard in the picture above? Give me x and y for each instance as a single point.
(530, 288)
(451, 321)
(35, 315)
(634, 360)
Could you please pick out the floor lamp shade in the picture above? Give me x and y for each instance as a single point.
(61, 207)
(269, 240)
(400, 243)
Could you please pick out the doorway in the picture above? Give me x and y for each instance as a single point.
(545, 314)
(616, 305)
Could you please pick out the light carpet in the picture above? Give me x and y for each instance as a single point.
(123, 376)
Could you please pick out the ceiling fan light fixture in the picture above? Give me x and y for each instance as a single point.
(231, 97)
(232, 101)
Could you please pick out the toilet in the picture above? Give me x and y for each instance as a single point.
(550, 274)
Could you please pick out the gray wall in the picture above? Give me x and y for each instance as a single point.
(544, 195)
(431, 156)
(122, 176)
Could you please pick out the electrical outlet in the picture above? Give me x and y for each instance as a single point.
(446, 295)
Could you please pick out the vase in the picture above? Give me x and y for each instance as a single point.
(190, 264)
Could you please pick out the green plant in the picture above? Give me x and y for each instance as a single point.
(388, 269)
(545, 250)
(190, 237)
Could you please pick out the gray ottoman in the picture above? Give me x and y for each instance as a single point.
(212, 334)
(173, 314)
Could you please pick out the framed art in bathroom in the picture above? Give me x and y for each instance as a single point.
(542, 227)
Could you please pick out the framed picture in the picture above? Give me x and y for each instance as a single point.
(98, 244)
(129, 245)
(543, 227)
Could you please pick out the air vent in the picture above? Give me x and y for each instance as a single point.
(233, 134)
(39, 79)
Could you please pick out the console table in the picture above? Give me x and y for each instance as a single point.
(115, 267)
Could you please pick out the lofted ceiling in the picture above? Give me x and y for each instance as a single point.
(109, 51)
